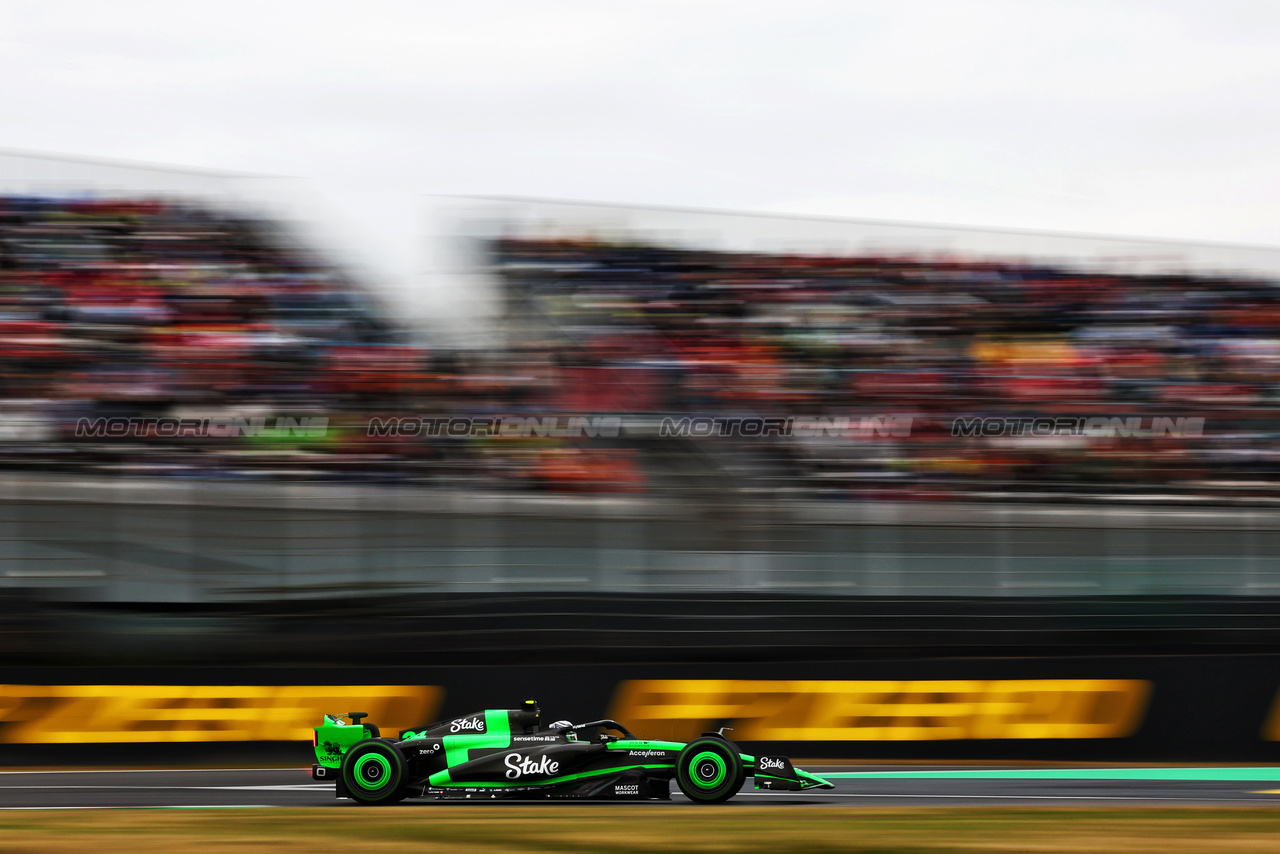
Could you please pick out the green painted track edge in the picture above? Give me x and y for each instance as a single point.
(1172, 774)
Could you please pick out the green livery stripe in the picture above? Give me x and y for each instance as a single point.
(496, 735)
(455, 753)
(441, 779)
(811, 780)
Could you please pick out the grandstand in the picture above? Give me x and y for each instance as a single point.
(125, 308)
(1154, 359)
(940, 343)
(142, 310)
(129, 308)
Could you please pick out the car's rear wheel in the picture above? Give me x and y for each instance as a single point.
(373, 773)
(709, 771)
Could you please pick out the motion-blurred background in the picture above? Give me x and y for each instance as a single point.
(884, 488)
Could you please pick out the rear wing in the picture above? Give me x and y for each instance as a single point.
(333, 738)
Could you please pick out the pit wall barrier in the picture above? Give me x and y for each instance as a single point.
(1212, 708)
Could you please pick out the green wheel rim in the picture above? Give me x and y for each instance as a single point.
(708, 770)
(372, 771)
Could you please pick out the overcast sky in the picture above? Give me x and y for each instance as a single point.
(1143, 118)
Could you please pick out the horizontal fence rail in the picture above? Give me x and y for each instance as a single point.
(137, 541)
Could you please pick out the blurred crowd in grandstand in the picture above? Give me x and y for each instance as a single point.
(125, 309)
(934, 340)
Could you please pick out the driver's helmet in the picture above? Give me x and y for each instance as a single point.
(565, 725)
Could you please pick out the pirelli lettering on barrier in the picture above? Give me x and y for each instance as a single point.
(61, 714)
(883, 710)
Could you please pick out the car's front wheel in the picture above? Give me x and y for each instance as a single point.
(373, 773)
(709, 771)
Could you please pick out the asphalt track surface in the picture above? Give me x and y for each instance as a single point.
(880, 786)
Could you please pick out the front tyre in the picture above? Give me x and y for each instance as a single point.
(373, 773)
(709, 771)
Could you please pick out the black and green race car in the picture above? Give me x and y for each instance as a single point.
(507, 753)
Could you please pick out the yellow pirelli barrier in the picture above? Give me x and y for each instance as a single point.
(779, 710)
(60, 714)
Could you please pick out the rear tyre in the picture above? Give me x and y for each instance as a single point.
(709, 771)
(373, 773)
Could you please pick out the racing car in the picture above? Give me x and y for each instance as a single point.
(507, 753)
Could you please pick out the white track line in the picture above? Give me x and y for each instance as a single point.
(306, 770)
(907, 796)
